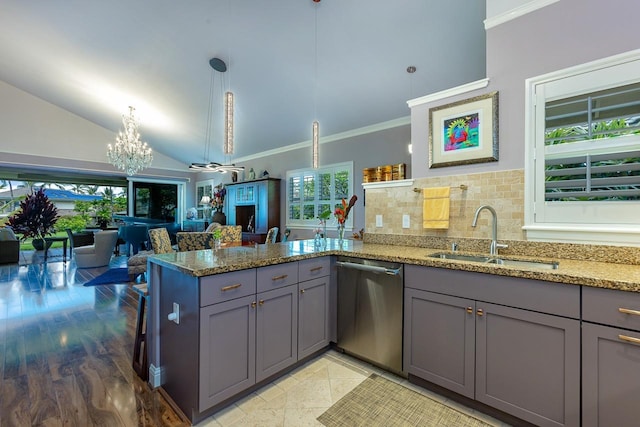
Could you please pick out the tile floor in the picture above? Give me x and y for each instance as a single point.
(298, 398)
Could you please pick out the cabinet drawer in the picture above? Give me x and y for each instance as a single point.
(227, 286)
(615, 308)
(536, 295)
(276, 276)
(311, 268)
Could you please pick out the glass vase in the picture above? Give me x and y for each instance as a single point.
(340, 233)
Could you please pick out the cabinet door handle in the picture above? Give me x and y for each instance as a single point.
(480, 312)
(253, 304)
(316, 269)
(284, 276)
(302, 291)
(629, 311)
(261, 302)
(629, 339)
(469, 310)
(231, 287)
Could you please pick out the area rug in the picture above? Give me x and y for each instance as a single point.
(378, 401)
(113, 275)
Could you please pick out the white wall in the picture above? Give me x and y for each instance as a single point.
(33, 127)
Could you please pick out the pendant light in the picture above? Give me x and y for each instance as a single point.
(220, 66)
(315, 126)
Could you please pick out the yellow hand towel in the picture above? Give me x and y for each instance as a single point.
(435, 207)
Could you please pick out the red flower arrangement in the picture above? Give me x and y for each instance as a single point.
(342, 213)
(217, 202)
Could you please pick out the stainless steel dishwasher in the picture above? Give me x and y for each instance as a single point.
(370, 311)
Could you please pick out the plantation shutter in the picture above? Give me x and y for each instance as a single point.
(588, 156)
(310, 192)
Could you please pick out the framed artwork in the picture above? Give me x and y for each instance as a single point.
(464, 132)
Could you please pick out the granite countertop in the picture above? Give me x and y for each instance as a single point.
(207, 262)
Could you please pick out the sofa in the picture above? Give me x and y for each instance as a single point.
(9, 246)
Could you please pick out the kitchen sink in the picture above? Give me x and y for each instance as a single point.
(460, 257)
(546, 265)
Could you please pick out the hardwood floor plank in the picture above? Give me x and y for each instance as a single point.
(14, 358)
(101, 409)
(72, 408)
(65, 352)
(44, 405)
(15, 402)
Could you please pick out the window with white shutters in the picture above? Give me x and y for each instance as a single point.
(582, 175)
(313, 191)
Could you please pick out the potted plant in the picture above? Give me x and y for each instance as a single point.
(35, 218)
(103, 213)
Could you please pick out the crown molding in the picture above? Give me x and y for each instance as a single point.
(448, 93)
(516, 12)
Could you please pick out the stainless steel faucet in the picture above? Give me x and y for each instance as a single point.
(493, 249)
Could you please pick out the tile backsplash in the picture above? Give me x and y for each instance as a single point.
(503, 190)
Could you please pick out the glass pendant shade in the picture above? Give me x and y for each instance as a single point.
(228, 123)
(315, 142)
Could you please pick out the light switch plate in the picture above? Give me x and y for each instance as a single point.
(406, 221)
(378, 220)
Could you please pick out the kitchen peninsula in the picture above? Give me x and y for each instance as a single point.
(218, 292)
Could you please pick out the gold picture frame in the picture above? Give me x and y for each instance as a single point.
(464, 132)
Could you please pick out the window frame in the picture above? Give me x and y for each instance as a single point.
(599, 222)
(314, 223)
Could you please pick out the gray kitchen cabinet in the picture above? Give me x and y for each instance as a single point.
(527, 364)
(526, 334)
(248, 329)
(443, 354)
(227, 350)
(610, 358)
(313, 305)
(277, 332)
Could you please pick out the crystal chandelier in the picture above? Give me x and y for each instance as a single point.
(129, 153)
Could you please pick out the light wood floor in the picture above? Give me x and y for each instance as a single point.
(65, 351)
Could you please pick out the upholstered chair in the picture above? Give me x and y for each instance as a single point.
(9, 246)
(231, 233)
(160, 241)
(98, 254)
(194, 241)
(272, 235)
(77, 240)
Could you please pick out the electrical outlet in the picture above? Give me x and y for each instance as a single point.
(379, 221)
(406, 221)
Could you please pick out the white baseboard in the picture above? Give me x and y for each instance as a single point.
(156, 376)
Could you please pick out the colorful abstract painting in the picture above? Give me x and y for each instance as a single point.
(461, 132)
(464, 132)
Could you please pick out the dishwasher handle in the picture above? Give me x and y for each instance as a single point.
(372, 268)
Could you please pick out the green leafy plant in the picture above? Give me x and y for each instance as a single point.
(217, 233)
(73, 222)
(103, 212)
(36, 217)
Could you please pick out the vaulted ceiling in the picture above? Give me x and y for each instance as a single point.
(289, 62)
